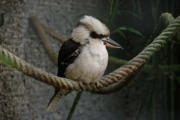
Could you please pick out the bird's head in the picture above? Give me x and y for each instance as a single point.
(91, 29)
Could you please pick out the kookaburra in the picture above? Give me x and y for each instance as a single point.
(84, 56)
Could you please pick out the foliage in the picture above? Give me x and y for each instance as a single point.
(136, 11)
(120, 30)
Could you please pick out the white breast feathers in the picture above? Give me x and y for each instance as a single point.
(90, 64)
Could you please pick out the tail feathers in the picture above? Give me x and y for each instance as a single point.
(56, 97)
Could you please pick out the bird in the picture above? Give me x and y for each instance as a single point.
(84, 57)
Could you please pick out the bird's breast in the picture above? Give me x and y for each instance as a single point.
(89, 65)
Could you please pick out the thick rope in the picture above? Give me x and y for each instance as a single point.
(118, 75)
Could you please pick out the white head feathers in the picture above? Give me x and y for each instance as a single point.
(87, 25)
(94, 25)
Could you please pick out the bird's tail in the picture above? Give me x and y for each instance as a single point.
(56, 97)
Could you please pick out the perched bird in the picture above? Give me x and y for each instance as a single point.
(84, 56)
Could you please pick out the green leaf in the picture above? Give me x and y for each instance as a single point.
(134, 31)
(122, 28)
(120, 32)
(113, 11)
(119, 29)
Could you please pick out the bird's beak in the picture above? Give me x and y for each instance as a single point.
(111, 43)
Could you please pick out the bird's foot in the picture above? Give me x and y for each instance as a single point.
(82, 84)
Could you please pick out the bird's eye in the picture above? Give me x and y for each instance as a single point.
(94, 34)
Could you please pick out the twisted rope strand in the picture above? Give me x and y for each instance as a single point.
(117, 76)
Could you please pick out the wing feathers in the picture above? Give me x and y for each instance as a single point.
(67, 54)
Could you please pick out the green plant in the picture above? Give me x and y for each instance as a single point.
(120, 30)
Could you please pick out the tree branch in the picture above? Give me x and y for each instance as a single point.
(42, 36)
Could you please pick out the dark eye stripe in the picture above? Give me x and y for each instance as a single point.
(95, 35)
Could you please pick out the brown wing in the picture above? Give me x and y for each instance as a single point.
(67, 54)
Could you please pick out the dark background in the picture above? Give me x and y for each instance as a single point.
(154, 95)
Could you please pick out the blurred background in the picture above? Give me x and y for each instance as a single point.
(153, 95)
